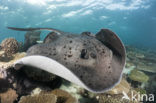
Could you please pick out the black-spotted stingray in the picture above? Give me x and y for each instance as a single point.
(94, 62)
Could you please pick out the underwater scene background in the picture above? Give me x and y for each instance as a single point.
(134, 21)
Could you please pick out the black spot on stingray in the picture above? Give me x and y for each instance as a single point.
(109, 72)
(93, 55)
(65, 58)
(70, 48)
(84, 44)
(103, 51)
(70, 41)
(81, 76)
(70, 56)
(108, 67)
(89, 84)
(64, 46)
(84, 54)
(54, 54)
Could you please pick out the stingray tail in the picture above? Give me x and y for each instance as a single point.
(34, 29)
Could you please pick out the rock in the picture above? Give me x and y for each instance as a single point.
(138, 76)
(9, 46)
(122, 86)
(8, 97)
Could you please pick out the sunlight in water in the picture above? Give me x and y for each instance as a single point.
(37, 2)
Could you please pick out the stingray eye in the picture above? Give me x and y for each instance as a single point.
(84, 54)
(93, 55)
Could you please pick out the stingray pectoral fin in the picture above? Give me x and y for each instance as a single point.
(33, 29)
(112, 41)
(51, 66)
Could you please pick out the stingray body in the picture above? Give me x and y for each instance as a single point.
(30, 38)
(94, 62)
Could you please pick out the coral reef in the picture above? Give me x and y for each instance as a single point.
(142, 59)
(71, 88)
(122, 86)
(138, 76)
(104, 98)
(79, 93)
(55, 96)
(140, 90)
(147, 67)
(9, 46)
(8, 97)
(10, 63)
(64, 97)
(38, 98)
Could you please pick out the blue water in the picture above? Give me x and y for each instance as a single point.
(134, 21)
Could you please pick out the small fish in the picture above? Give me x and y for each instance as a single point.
(94, 62)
